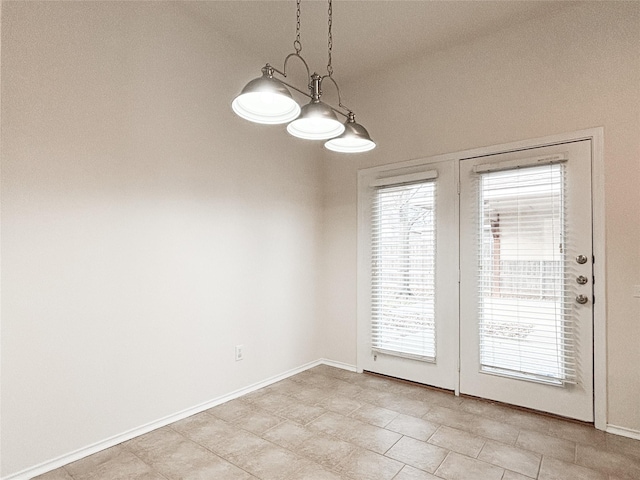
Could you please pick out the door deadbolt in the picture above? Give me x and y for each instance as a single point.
(581, 259)
(581, 299)
(582, 280)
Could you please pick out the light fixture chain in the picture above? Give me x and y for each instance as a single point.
(330, 39)
(296, 44)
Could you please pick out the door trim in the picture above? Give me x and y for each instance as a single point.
(596, 136)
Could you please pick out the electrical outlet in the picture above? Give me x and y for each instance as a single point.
(239, 352)
(636, 291)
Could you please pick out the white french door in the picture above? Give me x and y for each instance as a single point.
(409, 298)
(477, 276)
(526, 279)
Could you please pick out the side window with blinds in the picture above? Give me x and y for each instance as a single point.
(525, 320)
(403, 270)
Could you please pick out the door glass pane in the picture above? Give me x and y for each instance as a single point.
(403, 261)
(525, 316)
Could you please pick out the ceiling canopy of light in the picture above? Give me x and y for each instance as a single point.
(267, 100)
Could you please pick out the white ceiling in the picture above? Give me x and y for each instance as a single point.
(367, 34)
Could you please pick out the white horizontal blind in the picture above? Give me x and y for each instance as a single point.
(525, 297)
(403, 277)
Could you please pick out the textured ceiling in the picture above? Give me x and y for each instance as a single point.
(367, 34)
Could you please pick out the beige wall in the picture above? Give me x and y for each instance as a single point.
(146, 230)
(575, 70)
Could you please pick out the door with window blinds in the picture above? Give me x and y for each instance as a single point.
(412, 324)
(526, 279)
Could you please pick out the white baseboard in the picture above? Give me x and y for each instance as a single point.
(624, 432)
(162, 422)
(333, 363)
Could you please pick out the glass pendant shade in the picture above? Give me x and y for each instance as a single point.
(355, 139)
(317, 121)
(266, 100)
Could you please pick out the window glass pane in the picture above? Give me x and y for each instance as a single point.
(525, 316)
(403, 263)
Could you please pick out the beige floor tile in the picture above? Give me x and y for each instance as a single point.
(377, 416)
(450, 417)
(188, 460)
(200, 466)
(325, 450)
(271, 463)
(411, 473)
(258, 421)
(201, 427)
(374, 382)
(460, 467)
(418, 454)
(483, 426)
(57, 474)
(529, 420)
(289, 435)
(93, 461)
(271, 401)
(351, 430)
(405, 405)
(366, 465)
(577, 432)
(458, 441)
(495, 430)
(123, 466)
(554, 469)
(514, 476)
(332, 423)
(623, 445)
(284, 387)
(511, 458)
(346, 389)
(413, 427)
(162, 438)
(611, 463)
(341, 404)
(546, 445)
(300, 412)
(485, 408)
(220, 437)
(232, 410)
(315, 472)
(236, 444)
(310, 394)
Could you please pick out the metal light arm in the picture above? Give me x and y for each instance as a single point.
(316, 91)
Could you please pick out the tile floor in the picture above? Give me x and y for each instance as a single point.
(330, 424)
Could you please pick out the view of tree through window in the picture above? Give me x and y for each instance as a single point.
(403, 259)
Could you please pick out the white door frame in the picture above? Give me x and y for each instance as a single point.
(596, 135)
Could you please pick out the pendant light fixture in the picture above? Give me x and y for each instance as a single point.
(267, 100)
